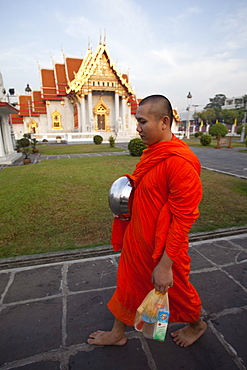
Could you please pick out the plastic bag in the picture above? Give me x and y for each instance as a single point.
(152, 315)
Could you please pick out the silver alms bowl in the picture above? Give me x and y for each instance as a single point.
(119, 196)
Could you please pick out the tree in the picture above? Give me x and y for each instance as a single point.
(208, 115)
(229, 115)
(217, 101)
(218, 130)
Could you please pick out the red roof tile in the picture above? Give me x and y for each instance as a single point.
(25, 103)
(49, 90)
(39, 105)
(16, 118)
(61, 79)
(133, 103)
(72, 65)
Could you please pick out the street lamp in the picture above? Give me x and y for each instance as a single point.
(28, 91)
(189, 96)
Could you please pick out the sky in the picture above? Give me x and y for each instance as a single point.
(166, 47)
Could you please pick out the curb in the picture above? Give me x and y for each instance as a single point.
(56, 257)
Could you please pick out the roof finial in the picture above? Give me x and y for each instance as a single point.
(100, 38)
(104, 38)
(63, 52)
(53, 61)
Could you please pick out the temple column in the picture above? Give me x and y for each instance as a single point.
(124, 113)
(129, 118)
(8, 145)
(83, 114)
(2, 150)
(116, 111)
(90, 111)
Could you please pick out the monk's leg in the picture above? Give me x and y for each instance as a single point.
(114, 337)
(187, 335)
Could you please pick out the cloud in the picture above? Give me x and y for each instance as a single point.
(233, 28)
(194, 10)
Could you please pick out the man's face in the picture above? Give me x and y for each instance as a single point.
(150, 129)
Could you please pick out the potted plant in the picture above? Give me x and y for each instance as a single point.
(33, 143)
(112, 141)
(25, 149)
(58, 138)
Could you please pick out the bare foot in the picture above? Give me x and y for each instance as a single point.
(187, 335)
(106, 338)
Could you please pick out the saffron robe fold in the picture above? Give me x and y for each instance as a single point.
(167, 191)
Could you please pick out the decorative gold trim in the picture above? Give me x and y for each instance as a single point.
(56, 120)
(96, 64)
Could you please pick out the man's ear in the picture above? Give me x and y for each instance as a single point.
(165, 122)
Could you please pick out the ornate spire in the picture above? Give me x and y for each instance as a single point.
(104, 43)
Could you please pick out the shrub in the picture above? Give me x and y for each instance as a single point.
(97, 139)
(136, 147)
(27, 136)
(198, 134)
(44, 141)
(205, 140)
(24, 142)
(24, 146)
(112, 141)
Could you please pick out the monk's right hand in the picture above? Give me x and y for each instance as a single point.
(162, 278)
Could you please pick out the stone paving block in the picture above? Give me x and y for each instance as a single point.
(205, 354)
(198, 261)
(86, 313)
(128, 357)
(44, 365)
(92, 275)
(214, 298)
(240, 241)
(4, 278)
(239, 272)
(37, 328)
(34, 283)
(221, 253)
(234, 329)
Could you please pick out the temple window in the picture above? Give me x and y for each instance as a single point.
(56, 120)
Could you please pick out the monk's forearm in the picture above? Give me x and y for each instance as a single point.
(166, 262)
(162, 276)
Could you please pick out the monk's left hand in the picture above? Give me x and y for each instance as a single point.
(162, 278)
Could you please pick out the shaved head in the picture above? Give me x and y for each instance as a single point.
(160, 106)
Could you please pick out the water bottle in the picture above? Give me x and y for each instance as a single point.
(152, 315)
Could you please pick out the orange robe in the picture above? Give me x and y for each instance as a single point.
(167, 191)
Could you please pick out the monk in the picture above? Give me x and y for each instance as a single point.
(166, 193)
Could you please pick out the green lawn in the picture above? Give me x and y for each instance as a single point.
(75, 149)
(63, 204)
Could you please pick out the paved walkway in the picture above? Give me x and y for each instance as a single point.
(47, 312)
